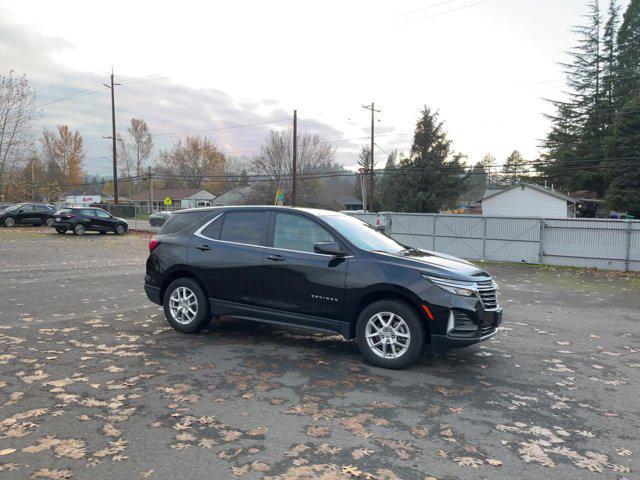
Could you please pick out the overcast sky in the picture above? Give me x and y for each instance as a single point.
(225, 68)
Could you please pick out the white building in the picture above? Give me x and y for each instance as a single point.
(180, 198)
(527, 200)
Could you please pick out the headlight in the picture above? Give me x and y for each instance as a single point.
(457, 287)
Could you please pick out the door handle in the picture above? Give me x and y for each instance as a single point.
(202, 248)
(275, 258)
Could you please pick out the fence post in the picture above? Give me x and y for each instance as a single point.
(541, 242)
(627, 257)
(433, 243)
(484, 240)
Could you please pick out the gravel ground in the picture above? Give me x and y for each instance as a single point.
(94, 385)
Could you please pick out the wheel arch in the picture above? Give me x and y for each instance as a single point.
(181, 272)
(389, 293)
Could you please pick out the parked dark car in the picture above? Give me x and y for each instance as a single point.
(27, 213)
(157, 219)
(321, 270)
(82, 219)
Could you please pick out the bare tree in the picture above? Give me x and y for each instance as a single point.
(125, 164)
(193, 161)
(140, 143)
(17, 114)
(64, 153)
(274, 162)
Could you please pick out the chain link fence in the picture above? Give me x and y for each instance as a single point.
(136, 216)
(576, 242)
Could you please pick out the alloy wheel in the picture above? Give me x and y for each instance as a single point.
(9, 222)
(49, 222)
(183, 305)
(388, 335)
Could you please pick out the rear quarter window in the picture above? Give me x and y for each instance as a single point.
(179, 221)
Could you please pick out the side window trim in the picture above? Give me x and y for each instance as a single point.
(263, 239)
(198, 232)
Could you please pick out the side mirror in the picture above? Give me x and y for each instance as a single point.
(329, 248)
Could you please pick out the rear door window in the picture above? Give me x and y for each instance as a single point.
(179, 221)
(244, 227)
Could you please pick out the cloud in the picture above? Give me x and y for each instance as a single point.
(79, 100)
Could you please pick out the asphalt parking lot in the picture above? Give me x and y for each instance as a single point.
(95, 385)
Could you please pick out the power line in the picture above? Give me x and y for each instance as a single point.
(450, 11)
(428, 7)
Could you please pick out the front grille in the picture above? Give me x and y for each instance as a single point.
(487, 292)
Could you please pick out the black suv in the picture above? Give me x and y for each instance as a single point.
(321, 270)
(82, 219)
(27, 213)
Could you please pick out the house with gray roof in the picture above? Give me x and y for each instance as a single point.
(528, 200)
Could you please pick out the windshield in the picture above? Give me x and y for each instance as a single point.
(363, 235)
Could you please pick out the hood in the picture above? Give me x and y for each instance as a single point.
(439, 264)
(121, 220)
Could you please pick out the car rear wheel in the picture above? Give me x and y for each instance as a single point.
(61, 230)
(79, 229)
(390, 334)
(48, 222)
(120, 230)
(9, 222)
(186, 307)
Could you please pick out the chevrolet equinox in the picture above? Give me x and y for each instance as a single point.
(319, 270)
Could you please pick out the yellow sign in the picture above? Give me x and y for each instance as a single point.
(167, 201)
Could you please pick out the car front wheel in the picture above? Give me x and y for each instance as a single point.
(79, 229)
(390, 334)
(48, 222)
(186, 307)
(120, 230)
(9, 222)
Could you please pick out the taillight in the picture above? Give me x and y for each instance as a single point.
(153, 243)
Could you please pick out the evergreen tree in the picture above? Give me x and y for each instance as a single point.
(488, 162)
(627, 82)
(389, 187)
(609, 67)
(623, 151)
(431, 177)
(515, 168)
(575, 143)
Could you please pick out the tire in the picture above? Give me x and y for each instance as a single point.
(120, 229)
(185, 320)
(49, 222)
(103, 232)
(61, 230)
(9, 222)
(79, 229)
(407, 340)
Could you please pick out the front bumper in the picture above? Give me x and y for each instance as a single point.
(459, 321)
(487, 323)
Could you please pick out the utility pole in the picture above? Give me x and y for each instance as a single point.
(150, 190)
(372, 163)
(33, 179)
(294, 166)
(113, 137)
